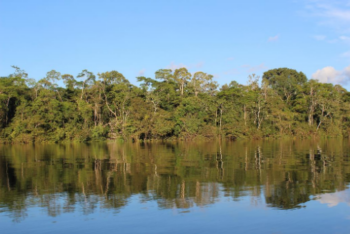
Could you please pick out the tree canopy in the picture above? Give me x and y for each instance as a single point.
(172, 105)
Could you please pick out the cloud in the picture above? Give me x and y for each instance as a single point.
(319, 37)
(331, 75)
(246, 68)
(174, 66)
(142, 72)
(337, 14)
(230, 58)
(347, 72)
(197, 65)
(216, 75)
(273, 39)
(344, 38)
(251, 69)
(230, 72)
(333, 199)
(332, 13)
(331, 41)
(345, 54)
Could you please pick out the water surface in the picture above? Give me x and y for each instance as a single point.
(209, 187)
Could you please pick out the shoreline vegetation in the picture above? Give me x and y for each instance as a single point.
(174, 105)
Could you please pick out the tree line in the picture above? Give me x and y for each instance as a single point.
(172, 105)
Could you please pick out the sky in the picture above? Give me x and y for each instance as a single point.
(229, 39)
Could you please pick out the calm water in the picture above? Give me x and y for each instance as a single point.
(216, 187)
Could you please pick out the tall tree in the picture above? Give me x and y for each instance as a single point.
(88, 79)
(182, 76)
(203, 83)
(284, 81)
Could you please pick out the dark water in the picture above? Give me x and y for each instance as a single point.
(209, 187)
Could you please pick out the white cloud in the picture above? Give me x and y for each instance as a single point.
(142, 72)
(197, 65)
(174, 66)
(346, 54)
(338, 14)
(252, 69)
(230, 58)
(331, 75)
(327, 75)
(243, 69)
(347, 72)
(231, 72)
(344, 38)
(275, 38)
(332, 41)
(332, 13)
(333, 199)
(217, 75)
(319, 37)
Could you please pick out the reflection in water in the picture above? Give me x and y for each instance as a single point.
(66, 178)
(333, 199)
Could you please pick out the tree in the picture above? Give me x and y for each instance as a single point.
(203, 83)
(88, 79)
(112, 77)
(117, 97)
(182, 76)
(69, 81)
(19, 73)
(165, 75)
(284, 81)
(12, 90)
(169, 105)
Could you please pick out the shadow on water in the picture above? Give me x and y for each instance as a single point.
(64, 178)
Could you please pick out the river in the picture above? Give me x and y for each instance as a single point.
(270, 186)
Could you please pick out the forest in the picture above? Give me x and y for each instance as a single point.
(174, 105)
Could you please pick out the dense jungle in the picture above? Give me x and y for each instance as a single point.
(172, 105)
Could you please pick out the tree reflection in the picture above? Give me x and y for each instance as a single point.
(78, 177)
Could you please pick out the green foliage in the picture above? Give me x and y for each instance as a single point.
(170, 105)
(99, 132)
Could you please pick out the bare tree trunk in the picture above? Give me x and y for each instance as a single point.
(322, 118)
(7, 111)
(311, 109)
(216, 118)
(258, 119)
(96, 113)
(245, 115)
(59, 95)
(82, 91)
(220, 118)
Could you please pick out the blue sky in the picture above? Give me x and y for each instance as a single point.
(227, 38)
